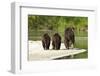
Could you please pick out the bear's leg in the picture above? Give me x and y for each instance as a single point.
(53, 45)
(58, 46)
(47, 47)
(43, 44)
(66, 44)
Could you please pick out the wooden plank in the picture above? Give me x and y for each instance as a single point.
(36, 51)
(53, 54)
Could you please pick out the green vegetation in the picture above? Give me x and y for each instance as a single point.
(81, 42)
(39, 24)
(52, 24)
(81, 55)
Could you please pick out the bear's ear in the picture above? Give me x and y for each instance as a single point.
(73, 29)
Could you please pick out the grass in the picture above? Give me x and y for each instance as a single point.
(81, 55)
(81, 42)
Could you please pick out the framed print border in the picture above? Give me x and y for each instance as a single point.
(17, 56)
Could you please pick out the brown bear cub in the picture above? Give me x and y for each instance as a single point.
(69, 37)
(56, 41)
(46, 41)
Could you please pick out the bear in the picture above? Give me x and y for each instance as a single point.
(46, 41)
(56, 41)
(69, 37)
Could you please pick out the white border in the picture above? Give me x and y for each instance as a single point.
(19, 38)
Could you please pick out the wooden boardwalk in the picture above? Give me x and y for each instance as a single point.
(36, 52)
(53, 54)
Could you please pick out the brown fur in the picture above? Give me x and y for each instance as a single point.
(56, 41)
(46, 41)
(69, 37)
